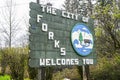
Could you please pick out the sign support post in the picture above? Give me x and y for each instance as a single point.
(39, 69)
(39, 74)
(84, 73)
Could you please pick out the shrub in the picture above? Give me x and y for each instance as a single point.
(6, 77)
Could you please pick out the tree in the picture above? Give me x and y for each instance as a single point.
(4, 60)
(80, 37)
(83, 7)
(71, 6)
(9, 24)
(106, 69)
(15, 59)
(118, 4)
(108, 16)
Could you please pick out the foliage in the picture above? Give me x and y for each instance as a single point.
(71, 6)
(107, 69)
(32, 72)
(17, 67)
(5, 77)
(4, 60)
(15, 59)
(79, 7)
(107, 42)
(72, 74)
(46, 73)
(107, 30)
(49, 73)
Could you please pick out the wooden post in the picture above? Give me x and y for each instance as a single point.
(39, 74)
(84, 73)
(40, 70)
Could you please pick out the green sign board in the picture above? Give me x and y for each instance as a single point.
(59, 38)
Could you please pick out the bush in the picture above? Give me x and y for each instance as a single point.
(15, 59)
(107, 69)
(72, 74)
(6, 77)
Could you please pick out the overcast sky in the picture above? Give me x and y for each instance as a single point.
(23, 5)
(56, 3)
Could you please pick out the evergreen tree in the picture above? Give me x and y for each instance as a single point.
(80, 37)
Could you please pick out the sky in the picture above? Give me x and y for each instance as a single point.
(23, 5)
(22, 12)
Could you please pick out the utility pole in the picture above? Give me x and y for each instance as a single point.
(38, 1)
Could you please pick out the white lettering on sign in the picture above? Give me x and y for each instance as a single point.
(68, 62)
(69, 15)
(87, 61)
(53, 62)
(85, 19)
(39, 17)
(63, 52)
(56, 44)
(42, 62)
(54, 11)
(43, 8)
(51, 35)
(76, 61)
(44, 27)
(48, 9)
(65, 14)
(72, 61)
(63, 62)
(58, 62)
(48, 63)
